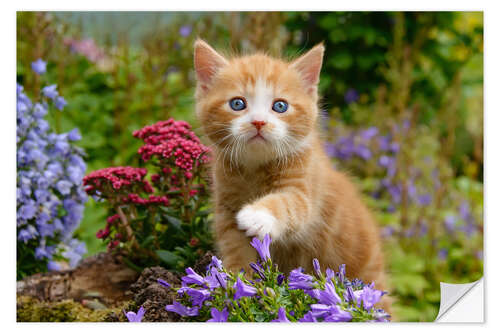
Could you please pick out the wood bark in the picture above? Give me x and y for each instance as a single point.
(102, 276)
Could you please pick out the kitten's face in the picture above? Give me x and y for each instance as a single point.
(255, 108)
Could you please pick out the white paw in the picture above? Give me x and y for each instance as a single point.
(256, 222)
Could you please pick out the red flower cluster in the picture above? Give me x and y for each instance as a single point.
(172, 139)
(104, 233)
(153, 199)
(118, 178)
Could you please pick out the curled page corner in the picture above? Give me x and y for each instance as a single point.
(461, 303)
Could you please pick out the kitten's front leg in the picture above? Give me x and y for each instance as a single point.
(274, 213)
(233, 246)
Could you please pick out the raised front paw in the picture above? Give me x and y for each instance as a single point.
(257, 222)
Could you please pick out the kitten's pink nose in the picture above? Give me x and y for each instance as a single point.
(258, 124)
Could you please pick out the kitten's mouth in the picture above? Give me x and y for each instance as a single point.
(257, 137)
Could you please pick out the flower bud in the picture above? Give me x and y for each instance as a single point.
(270, 292)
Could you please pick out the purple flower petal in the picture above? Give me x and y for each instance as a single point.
(262, 247)
(39, 66)
(281, 316)
(243, 289)
(218, 316)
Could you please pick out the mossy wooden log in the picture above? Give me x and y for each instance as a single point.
(103, 277)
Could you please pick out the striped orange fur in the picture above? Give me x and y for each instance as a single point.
(274, 177)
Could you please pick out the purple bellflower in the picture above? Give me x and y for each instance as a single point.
(135, 317)
(182, 310)
(218, 316)
(39, 66)
(243, 289)
(262, 247)
(281, 317)
(298, 280)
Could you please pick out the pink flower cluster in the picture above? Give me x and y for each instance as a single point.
(104, 233)
(118, 177)
(173, 139)
(86, 47)
(153, 199)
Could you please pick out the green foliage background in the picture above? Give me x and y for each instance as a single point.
(396, 62)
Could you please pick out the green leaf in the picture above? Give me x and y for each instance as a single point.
(175, 222)
(147, 241)
(168, 257)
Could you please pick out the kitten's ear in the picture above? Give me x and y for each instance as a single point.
(206, 62)
(309, 66)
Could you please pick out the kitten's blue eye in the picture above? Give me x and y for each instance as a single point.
(237, 104)
(280, 106)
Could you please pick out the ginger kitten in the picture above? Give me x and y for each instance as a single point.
(270, 173)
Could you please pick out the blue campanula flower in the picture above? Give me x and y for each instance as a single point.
(185, 30)
(368, 133)
(394, 147)
(64, 187)
(349, 294)
(74, 251)
(43, 158)
(308, 318)
(193, 278)
(330, 274)
(39, 66)
(317, 268)
(314, 293)
(43, 252)
(464, 210)
(351, 96)
(469, 229)
(381, 315)
(135, 317)
(298, 280)
(325, 305)
(62, 147)
(243, 290)
(197, 296)
(215, 279)
(163, 283)
(74, 135)
(338, 316)
(216, 262)
(60, 102)
(330, 313)
(384, 142)
(424, 199)
(279, 279)
(28, 210)
(368, 296)
(364, 152)
(50, 91)
(53, 266)
(218, 316)
(341, 273)
(182, 310)
(281, 316)
(75, 174)
(258, 269)
(443, 254)
(388, 231)
(39, 111)
(25, 235)
(329, 295)
(262, 247)
(449, 222)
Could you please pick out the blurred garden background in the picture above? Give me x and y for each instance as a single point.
(402, 112)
